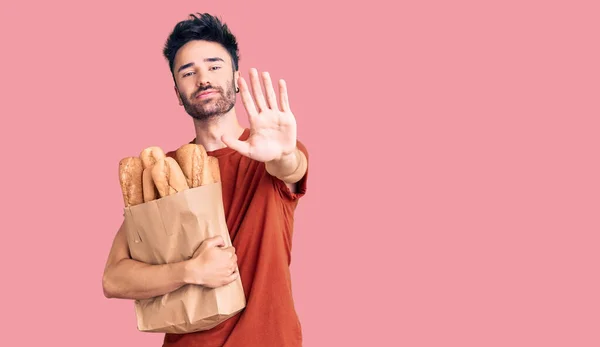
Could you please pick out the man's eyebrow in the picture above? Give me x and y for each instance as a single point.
(185, 66)
(212, 60)
(208, 60)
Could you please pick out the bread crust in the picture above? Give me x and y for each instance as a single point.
(151, 155)
(192, 160)
(215, 172)
(130, 178)
(150, 190)
(168, 177)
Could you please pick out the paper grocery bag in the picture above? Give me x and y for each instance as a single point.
(169, 230)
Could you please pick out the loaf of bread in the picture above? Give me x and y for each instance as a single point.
(151, 155)
(168, 177)
(130, 177)
(153, 175)
(215, 173)
(150, 190)
(192, 160)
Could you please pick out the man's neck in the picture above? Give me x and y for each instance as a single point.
(208, 133)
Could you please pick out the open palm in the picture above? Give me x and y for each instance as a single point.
(272, 126)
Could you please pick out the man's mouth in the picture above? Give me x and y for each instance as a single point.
(206, 93)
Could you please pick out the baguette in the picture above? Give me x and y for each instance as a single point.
(168, 177)
(150, 190)
(215, 173)
(130, 178)
(151, 155)
(192, 160)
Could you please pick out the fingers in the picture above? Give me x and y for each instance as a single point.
(233, 258)
(230, 250)
(247, 99)
(212, 242)
(283, 96)
(257, 90)
(271, 98)
(234, 276)
(258, 99)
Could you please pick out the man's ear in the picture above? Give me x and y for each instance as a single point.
(236, 76)
(178, 96)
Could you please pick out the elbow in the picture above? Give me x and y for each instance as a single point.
(106, 287)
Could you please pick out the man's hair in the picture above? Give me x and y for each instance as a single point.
(201, 26)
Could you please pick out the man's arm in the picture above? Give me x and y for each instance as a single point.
(125, 278)
(212, 265)
(290, 168)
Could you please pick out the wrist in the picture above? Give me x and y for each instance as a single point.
(189, 273)
(286, 164)
(293, 169)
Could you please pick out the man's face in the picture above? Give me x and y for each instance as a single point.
(205, 81)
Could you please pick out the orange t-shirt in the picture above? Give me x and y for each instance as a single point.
(259, 210)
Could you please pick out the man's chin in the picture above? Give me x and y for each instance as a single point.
(205, 110)
(204, 114)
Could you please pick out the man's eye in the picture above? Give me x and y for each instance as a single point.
(215, 67)
(188, 74)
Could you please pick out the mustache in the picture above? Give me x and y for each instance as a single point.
(202, 89)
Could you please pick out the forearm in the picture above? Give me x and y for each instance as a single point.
(290, 168)
(131, 279)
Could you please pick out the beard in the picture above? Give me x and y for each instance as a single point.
(213, 107)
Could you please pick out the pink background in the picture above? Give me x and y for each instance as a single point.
(456, 203)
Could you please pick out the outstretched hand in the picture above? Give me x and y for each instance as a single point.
(272, 124)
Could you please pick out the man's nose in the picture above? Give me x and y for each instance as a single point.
(202, 80)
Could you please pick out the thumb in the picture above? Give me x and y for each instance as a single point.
(211, 242)
(240, 146)
(215, 241)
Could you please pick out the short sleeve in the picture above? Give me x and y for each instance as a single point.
(301, 185)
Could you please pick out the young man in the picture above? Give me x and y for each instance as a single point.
(264, 174)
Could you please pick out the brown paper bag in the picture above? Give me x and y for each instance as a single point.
(168, 230)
